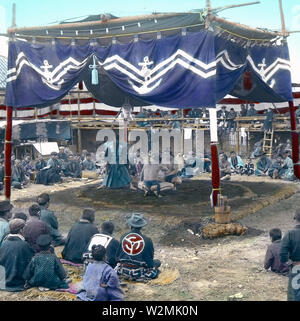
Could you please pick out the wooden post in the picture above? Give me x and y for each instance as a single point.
(295, 140)
(283, 29)
(8, 147)
(79, 140)
(208, 15)
(237, 139)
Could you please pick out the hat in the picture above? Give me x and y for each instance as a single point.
(5, 206)
(137, 220)
(43, 240)
(16, 224)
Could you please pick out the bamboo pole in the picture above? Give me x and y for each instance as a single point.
(283, 29)
(208, 15)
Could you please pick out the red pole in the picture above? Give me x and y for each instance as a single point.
(215, 173)
(8, 145)
(295, 140)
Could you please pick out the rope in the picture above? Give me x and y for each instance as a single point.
(110, 36)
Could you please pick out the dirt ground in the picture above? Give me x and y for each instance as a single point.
(192, 268)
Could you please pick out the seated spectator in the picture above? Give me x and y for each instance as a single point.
(263, 165)
(15, 255)
(136, 252)
(225, 167)
(236, 163)
(21, 215)
(5, 215)
(88, 164)
(252, 111)
(276, 169)
(62, 155)
(243, 111)
(288, 167)
(248, 168)
(45, 269)
(272, 258)
(54, 167)
(257, 148)
(49, 218)
(41, 175)
(28, 167)
(105, 239)
(18, 178)
(79, 237)
(100, 281)
(72, 168)
(35, 227)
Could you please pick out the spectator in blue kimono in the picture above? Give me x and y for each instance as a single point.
(73, 168)
(18, 178)
(42, 173)
(45, 269)
(15, 255)
(257, 149)
(49, 218)
(236, 163)
(276, 169)
(54, 169)
(100, 281)
(263, 165)
(5, 215)
(231, 117)
(27, 165)
(269, 120)
(62, 155)
(88, 164)
(142, 114)
(79, 237)
(136, 261)
(288, 167)
(252, 111)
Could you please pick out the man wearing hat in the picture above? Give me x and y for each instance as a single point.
(62, 155)
(15, 255)
(263, 165)
(5, 215)
(251, 111)
(79, 237)
(49, 218)
(136, 252)
(290, 254)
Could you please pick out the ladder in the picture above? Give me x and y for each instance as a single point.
(268, 142)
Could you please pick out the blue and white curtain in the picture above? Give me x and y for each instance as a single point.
(190, 70)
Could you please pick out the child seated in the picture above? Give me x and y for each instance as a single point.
(248, 168)
(100, 281)
(272, 259)
(45, 269)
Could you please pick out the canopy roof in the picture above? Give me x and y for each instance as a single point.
(168, 60)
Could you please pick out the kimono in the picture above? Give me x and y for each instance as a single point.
(100, 283)
(236, 162)
(77, 240)
(268, 121)
(53, 173)
(45, 270)
(88, 165)
(73, 169)
(4, 229)
(117, 175)
(49, 218)
(263, 166)
(41, 176)
(15, 255)
(18, 177)
(28, 168)
(288, 167)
